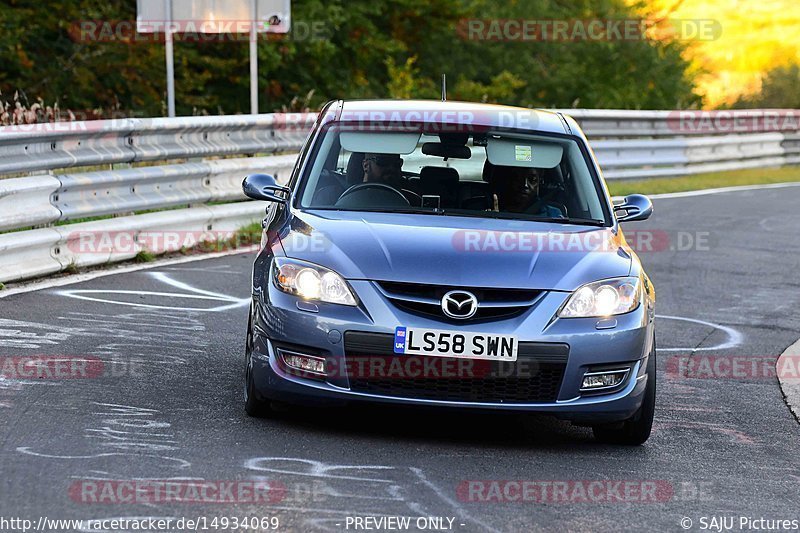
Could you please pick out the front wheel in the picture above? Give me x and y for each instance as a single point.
(635, 430)
(254, 404)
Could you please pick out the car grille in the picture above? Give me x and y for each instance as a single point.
(534, 378)
(426, 300)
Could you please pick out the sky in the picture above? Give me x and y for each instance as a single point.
(739, 41)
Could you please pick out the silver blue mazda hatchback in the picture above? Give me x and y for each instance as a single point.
(451, 254)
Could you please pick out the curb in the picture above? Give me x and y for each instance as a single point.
(112, 270)
(790, 386)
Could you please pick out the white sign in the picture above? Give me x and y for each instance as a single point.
(213, 16)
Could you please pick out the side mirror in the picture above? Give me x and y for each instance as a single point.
(264, 187)
(634, 207)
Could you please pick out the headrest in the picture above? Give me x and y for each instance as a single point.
(355, 169)
(439, 174)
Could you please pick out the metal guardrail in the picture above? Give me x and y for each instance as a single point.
(650, 144)
(63, 187)
(50, 183)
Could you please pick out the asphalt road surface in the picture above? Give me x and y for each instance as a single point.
(162, 401)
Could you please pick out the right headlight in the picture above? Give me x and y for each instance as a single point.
(311, 282)
(603, 298)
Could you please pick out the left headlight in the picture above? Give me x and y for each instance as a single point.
(603, 298)
(311, 282)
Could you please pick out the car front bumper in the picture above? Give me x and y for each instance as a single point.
(282, 320)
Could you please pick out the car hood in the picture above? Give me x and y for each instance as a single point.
(456, 251)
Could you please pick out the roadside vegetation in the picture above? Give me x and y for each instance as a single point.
(337, 49)
(756, 176)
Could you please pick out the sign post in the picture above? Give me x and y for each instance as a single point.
(213, 17)
(168, 45)
(254, 58)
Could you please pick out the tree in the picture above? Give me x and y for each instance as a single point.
(778, 90)
(338, 49)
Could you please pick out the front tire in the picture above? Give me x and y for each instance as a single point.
(636, 430)
(254, 404)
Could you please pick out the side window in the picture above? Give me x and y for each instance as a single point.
(301, 157)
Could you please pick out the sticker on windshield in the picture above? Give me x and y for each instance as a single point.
(524, 153)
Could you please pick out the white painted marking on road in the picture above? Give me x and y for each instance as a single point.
(194, 293)
(80, 278)
(28, 451)
(450, 501)
(313, 468)
(237, 302)
(735, 338)
(357, 493)
(18, 334)
(129, 429)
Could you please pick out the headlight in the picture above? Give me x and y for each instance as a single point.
(311, 282)
(603, 298)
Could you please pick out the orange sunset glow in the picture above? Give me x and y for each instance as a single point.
(755, 36)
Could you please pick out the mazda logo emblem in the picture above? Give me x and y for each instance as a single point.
(459, 304)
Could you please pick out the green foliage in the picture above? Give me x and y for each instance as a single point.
(72, 268)
(144, 256)
(778, 90)
(402, 82)
(502, 88)
(248, 235)
(338, 49)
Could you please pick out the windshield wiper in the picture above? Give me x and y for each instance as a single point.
(471, 214)
(515, 216)
(575, 221)
(397, 210)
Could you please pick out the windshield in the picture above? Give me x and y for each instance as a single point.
(487, 175)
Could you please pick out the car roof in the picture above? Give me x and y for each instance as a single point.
(450, 112)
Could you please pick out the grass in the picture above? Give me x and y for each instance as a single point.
(144, 257)
(247, 235)
(755, 176)
(71, 268)
(2, 286)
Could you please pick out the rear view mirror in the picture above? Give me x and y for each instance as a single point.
(634, 207)
(448, 151)
(264, 187)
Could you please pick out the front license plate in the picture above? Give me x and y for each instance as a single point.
(440, 343)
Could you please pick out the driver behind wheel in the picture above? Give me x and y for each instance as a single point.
(383, 168)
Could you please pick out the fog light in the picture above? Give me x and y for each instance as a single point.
(593, 381)
(304, 363)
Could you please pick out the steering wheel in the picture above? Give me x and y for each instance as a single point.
(402, 200)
